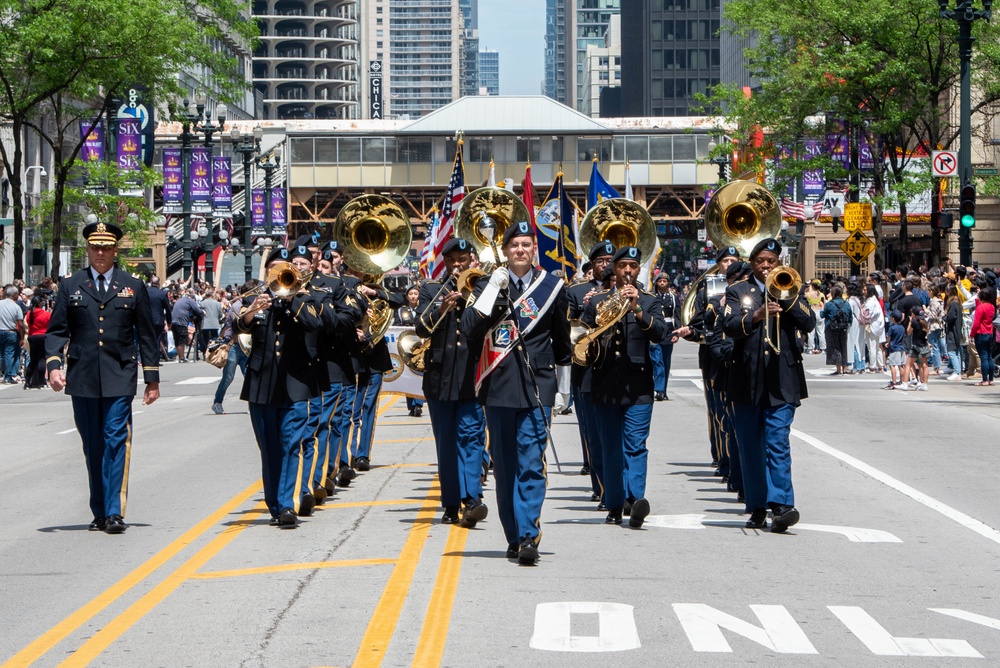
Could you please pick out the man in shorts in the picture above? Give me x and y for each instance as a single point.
(920, 350)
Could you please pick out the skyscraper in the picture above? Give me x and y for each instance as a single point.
(602, 69)
(489, 72)
(671, 54)
(470, 57)
(570, 27)
(555, 49)
(306, 65)
(412, 52)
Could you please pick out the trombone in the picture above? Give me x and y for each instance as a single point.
(284, 281)
(782, 283)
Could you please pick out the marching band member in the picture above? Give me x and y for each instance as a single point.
(355, 350)
(406, 316)
(695, 330)
(341, 316)
(520, 315)
(622, 389)
(766, 386)
(284, 373)
(450, 389)
(376, 359)
(102, 312)
(721, 348)
(579, 296)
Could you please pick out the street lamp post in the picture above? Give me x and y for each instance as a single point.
(247, 145)
(209, 128)
(270, 163)
(965, 13)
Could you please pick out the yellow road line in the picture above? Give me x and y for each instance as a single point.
(100, 641)
(383, 622)
(430, 647)
(283, 568)
(60, 631)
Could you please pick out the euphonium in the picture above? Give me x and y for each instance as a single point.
(375, 234)
(740, 214)
(609, 312)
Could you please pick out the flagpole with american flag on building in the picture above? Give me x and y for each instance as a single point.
(453, 196)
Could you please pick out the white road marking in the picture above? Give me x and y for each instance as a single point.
(199, 380)
(882, 643)
(699, 383)
(68, 431)
(884, 478)
(182, 398)
(6, 387)
(685, 373)
(703, 625)
(982, 620)
(553, 627)
(696, 521)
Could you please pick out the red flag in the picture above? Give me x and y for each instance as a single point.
(528, 197)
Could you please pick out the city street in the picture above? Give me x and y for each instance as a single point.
(895, 559)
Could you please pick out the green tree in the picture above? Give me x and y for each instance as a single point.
(888, 68)
(68, 59)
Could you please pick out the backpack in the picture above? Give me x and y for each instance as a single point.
(863, 317)
(841, 318)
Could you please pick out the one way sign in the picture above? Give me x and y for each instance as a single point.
(944, 163)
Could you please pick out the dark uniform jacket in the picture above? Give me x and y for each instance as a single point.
(101, 360)
(580, 375)
(342, 311)
(758, 375)
(406, 316)
(285, 364)
(697, 325)
(720, 346)
(450, 361)
(510, 385)
(376, 356)
(159, 306)
(623, 371)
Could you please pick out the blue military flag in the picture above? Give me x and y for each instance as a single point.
(599, 189)
(556, 240)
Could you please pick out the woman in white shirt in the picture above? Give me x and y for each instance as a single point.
(856, 333)
(874, 331)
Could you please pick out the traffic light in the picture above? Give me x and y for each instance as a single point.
(967, 207)
(943, 220)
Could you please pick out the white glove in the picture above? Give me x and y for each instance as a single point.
(500, 278)
(488, 299)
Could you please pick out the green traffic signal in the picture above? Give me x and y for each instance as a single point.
(968, 220)
(967, 205)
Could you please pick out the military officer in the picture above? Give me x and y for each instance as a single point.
(520, 315)
(766, 386)
(101, 312)
(341, 316)
(284, 373)
(578, 296)
(622, 389)
(695, 331)
(450, 389)
(344, 471)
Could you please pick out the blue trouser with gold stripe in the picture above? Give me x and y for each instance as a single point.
(327, 433)
(105, 425)
(623, 433)
(765, 454)
(589, 436)
(342, 416)
(518, 438)
(280, 431)
(457, 427)
(363, 420)
(308, 447)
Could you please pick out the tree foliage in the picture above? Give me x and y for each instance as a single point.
(68, 59)
(889, 68)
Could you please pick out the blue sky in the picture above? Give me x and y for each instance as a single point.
(515, 28)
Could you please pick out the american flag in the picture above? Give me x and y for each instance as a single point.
(452, 198)
(427, 252)
(797, 210)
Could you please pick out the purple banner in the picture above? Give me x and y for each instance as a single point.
(813, 181)
(200, 179)
(837, 143)
(173, 177)
(782, 153)
(222, 185)
(866, 155)
(279, 217)
(129, 144)
(257, 211)
(93, 140)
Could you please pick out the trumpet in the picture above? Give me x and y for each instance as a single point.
(411, 347)
(782, 283)
(284, 281)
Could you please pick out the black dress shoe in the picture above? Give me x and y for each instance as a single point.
(595, 497)
(330, 483)
(601, 507)
(566, 411)
(344, 476)
(739, 496)
(585, 470)
(715, 463)
(418, 411)
(475, 511)
(97, 525)
(288, 519)
(627, 510)
(640, 509)
(783, 517)
(450, 515)
(758, 520)
(114, 524)
(660, 396)
(512, 550)
(527, 552)
(362, 464)
(319, 493)
(306, 505)
(614, 517)
(274, 522)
